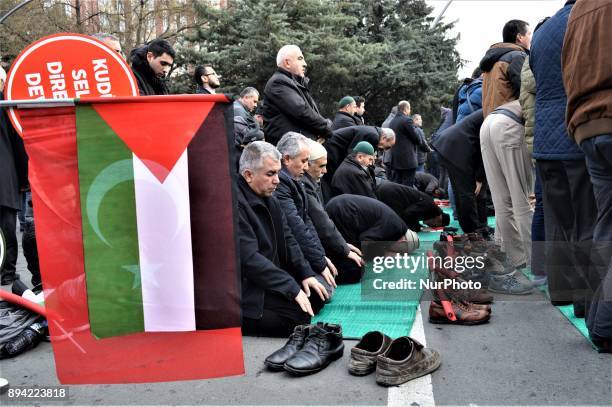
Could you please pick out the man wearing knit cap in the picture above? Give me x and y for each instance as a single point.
(346, 257)
(356, 174)
(345, 116)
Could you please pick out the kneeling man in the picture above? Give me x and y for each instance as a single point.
(277, 281)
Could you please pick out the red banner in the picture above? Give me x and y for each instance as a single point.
(66, 66)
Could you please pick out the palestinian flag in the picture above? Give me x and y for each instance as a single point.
(134, 204)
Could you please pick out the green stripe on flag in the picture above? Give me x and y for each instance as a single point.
(110, 235)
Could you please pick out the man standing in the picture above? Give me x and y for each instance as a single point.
(290, 193)
(403, 156)
(288, 105)
(346, 257)
(422, 148)
(589, 119)
(346, 114)
(151, 64)
(570, 210)
(356, 175)
(509, 172)
(13, 170)
(246, 128)
(502, 64)
(360, 110)
(276, 280)
(206, 79)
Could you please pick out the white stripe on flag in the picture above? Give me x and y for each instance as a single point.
(164, 241)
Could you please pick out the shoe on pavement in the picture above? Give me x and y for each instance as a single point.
(404, 360)
(364, 354)
(323, 345)
(465, 314)
(277, 360)
(509, 284)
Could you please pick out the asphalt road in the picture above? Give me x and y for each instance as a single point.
(528, 354)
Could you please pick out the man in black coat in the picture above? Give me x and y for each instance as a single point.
(459, 151)
(403, 156)
(290, 193)
(411, 205)
(14, 179)
(151, 64)
(362, 219)
(345, 256)
(276, 280)
(288, 105)
(356, 174)
(345, 116)
(341, 144)
(427, 183)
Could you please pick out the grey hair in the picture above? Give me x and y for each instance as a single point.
(248, 91)
(292, 143)
(254, 153)
(284, 52)
(104, 36)
(401, 106)
(387, 133)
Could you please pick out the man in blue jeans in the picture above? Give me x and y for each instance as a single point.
(589, 120)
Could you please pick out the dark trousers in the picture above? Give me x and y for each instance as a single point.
(8, 223)
(348, 271)
(598, 153)
(471, 208)
(538, 235)
(280, 316)
(569, 218)
(404, 177)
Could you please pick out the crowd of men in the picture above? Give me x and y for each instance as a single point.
(312, 190)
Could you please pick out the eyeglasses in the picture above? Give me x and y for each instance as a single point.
(211, 73)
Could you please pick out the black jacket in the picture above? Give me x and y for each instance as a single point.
(13, 163)
(330, 236)
(288, 106)
(246, 128)
(422, 148)
(409, 204)
(270, 258)
(352, 178)
(343, 120)
(403, 153)
(148, 83)
(342, 142)
(202, 91)
(425, 182)
(460, 145)
(293, 201)
(361, 219)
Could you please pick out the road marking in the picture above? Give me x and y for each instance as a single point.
(417, 392)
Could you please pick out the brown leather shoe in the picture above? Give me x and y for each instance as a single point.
(406, 359)
(364, 354)
(465, 314)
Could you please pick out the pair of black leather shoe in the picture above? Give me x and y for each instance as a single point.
(310, 348)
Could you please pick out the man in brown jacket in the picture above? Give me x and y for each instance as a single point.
(587, 79)
(502, 64)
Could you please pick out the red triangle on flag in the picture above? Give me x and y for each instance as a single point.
(158, 133)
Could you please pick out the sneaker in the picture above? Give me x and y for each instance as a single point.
(404, 360)
(509, 284)
(277, 360)
(465, 314)
(364, 354)
(322, 346)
